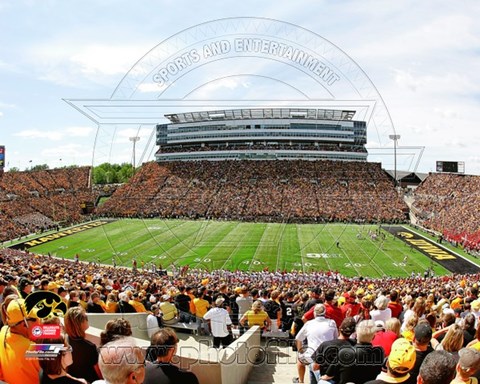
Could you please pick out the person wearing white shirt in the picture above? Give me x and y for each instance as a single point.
(315, 332)
(153, 321)
(382, 312)
(220, 323)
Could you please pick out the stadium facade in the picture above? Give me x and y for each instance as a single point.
(262, 134)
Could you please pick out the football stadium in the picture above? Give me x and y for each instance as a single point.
(254, 238)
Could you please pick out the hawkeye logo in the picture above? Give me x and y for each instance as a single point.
(426, 246)
(54, 236)
(48, 304)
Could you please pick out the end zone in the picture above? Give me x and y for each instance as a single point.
(443, 256)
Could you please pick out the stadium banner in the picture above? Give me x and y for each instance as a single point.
(443, 256)
(53, 236)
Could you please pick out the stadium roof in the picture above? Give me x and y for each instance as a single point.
(261, 113)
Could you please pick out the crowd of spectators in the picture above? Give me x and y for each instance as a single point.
(295, 191)
(205, 147)
(448, 203)
(448, 305)
(36, 201)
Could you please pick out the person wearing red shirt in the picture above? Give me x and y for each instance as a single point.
(351, 307)
(394, 306)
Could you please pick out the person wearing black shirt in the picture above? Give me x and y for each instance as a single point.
(123, 305)
(327, 353)
(182, 302)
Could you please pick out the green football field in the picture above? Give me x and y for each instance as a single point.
(349, 248)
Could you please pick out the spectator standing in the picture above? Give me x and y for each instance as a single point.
(421, 342)
(14, 342)
(314, 332)
(244, 302)
(321, 355)
(364, 351)
(468, 365)
(256, 316)
(382, 311)
(400, 362)
(182, 302)
(395, 307)
(220, 324)
(437, 368)
(274, 310)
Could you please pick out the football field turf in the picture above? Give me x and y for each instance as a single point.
(354, 250)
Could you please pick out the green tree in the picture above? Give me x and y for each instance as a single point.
(39, 167)
(107, 173)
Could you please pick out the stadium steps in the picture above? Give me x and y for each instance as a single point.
(277, 364)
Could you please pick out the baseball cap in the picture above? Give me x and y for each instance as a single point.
(52, 285)
(219, 301)
(17, 312)
(36, 283)
(24, 282)
(402, 356)
(379, 325)
(165, 297)
(423, 333)
(9, 278)
(469, 359)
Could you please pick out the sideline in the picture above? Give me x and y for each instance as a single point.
(45, 238)
(450, 260)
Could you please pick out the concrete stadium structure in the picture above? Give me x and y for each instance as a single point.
(263, 134)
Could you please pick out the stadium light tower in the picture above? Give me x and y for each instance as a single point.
(134, 139)
(395, 138)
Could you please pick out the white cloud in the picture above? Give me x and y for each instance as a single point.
(1, 114)
(39, 134)
(66, 150)
(64, 63)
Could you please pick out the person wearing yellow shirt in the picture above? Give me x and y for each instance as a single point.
(111, 305)
(169, 310)
(189, 292)
(256, 316)
(201, 308)
(14, 342)
(458, 300)
(136, 303)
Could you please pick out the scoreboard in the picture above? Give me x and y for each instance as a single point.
(451, 166)
(2, 156)
(2, 159)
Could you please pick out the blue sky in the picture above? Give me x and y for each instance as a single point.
(422, 56)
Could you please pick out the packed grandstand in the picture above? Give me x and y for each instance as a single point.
(295, 191)
(251, 190)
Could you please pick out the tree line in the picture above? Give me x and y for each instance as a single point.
(105, 173)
